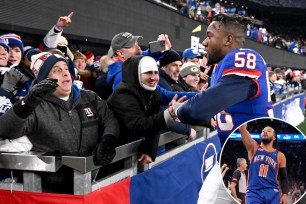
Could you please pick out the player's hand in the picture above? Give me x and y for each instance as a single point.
(145, 159)
(164, 37)
(192, 135)
(284, 199)
(175, 104)
(213, 123)
(64, 21)
(243, 127)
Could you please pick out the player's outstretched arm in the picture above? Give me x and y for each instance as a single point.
(247, 140)
(229, 90)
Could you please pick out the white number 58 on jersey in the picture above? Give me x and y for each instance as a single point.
(243, 59)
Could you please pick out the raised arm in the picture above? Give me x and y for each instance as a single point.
(249, 143)
(158, 55)
(164, 37)
(52, 37)
(64, 21)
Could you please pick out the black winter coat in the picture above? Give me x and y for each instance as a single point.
(137, 109)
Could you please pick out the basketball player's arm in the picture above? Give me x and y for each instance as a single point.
(283, 178)
(247, 140)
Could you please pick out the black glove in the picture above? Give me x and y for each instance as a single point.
(41, 91)
(105, 151)
(12, 78)
(36, 95)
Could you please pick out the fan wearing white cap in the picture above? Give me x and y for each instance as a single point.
(136, 103)
(148, 73)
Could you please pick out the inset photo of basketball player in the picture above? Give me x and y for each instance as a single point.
(267, 163)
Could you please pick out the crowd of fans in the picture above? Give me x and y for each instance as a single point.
(282, 3)
(186, 73)
(283, 80)
(23, 67)
(282, 127)
(177, 73)
(272, 35)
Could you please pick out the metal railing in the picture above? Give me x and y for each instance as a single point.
(31, 163)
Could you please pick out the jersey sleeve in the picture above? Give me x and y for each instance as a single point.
(236, 176)
(51, 39)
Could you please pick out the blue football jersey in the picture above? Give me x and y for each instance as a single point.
(263, 169)
(245, 63)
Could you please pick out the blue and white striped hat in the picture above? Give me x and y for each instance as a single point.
(13, 39)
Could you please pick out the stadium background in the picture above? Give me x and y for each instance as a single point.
(95, 22)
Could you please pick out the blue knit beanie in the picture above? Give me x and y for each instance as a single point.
(13, 39)
(4, 44)
(42, 64)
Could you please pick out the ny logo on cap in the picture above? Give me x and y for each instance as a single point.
(126, 35)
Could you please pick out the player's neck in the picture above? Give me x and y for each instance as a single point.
(268, 146)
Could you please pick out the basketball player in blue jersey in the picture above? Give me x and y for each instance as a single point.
(266, 164)
(239, 84)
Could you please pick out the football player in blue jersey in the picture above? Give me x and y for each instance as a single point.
(266, 163)
(239, 85)
(239, 88)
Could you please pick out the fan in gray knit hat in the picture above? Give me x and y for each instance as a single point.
(189, 68)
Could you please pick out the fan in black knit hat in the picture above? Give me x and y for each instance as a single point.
(169, 57)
